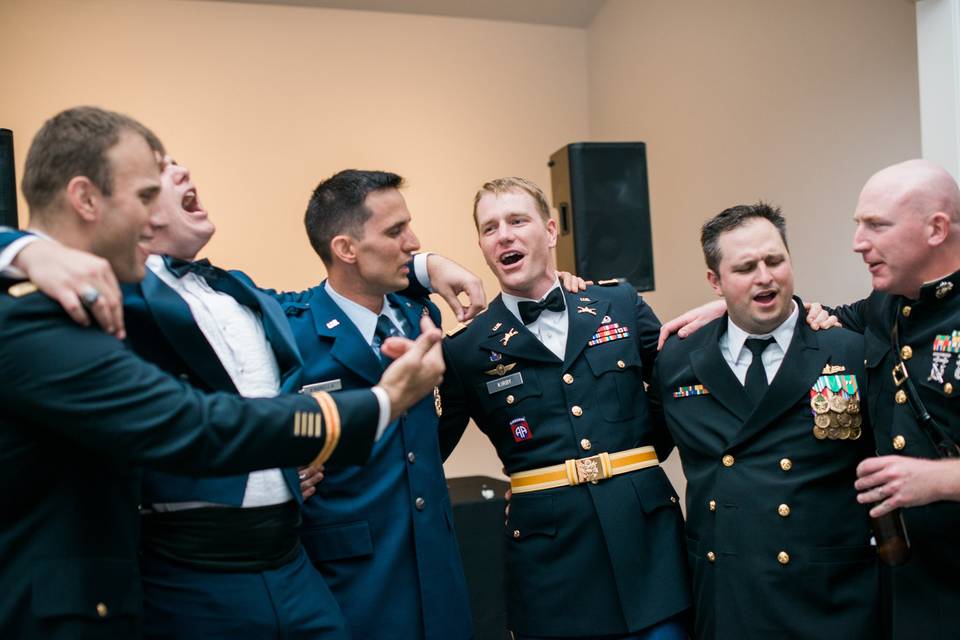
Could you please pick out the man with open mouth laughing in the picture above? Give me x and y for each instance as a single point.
(556, 381)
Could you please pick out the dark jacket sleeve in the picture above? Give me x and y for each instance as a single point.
(8, 236)
(65, 382)
(455, 413)
(662, 440)
(648, 330)
(852, 316)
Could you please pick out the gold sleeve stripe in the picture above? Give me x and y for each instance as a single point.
(297, 418)
(331, 422)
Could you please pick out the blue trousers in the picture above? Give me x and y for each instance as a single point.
(292, 603)
(672, 629)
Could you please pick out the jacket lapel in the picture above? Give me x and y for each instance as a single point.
(349, 348)
(798, 372)
(175, 321)
(509, 337)
(278, 333)
(713, 372)
(584, 318)
(407, 311)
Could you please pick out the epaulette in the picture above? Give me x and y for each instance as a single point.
(612, 282)
(21, 289)
(456, 330)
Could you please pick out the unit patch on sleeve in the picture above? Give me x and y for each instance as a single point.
(520, 429)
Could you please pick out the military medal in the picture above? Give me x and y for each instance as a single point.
(855, 433)
(833, 433)
(844, 433)
(853, 406)
(837, 403)
(819, 434)
(822, 420)
(819, 403)
(437, 405)
(844, 419)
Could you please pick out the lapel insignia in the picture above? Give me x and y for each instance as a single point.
(425, 311)
(944, 288)
(830, 369)
(694, 390)
(835, 401)
(437, 405)
(333, 323)
(509, 334)
(589, 310)
(496, 327)
(608, 332)
(520, 429)
(584, 299)
(501, 369)
(606, 320)
(495, 356)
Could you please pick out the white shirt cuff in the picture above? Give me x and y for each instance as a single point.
(384, 401)
(8, 255)
(420, 270)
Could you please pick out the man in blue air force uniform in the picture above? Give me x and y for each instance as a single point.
(556, 381)
(768, 416)
(219, 551)
(382, 535)
(82, 412)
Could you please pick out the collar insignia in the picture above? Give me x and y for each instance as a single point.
(509, 334)
(944, 288)
(589, 310)
(496, 327)
(333, 323)
(831, 369)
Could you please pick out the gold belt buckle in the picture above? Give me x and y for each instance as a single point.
(590, 470)
(900, 374)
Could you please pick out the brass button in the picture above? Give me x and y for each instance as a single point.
(585, 444)
(516, 533)
(786, 464)
(102, 610)
(906, 352)
(900, 397)
(948, 388)
(673, 499)
(576, 410)
(621, 364)
(727, 460)
(420, 504)
(510, 399)
(713, 505)
(711, 556)
(783, 510)
(906, 312)
(899, 442)
(568, 378)
(411, 457)
(783, 557)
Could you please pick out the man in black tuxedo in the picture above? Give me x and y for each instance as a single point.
(768, 419)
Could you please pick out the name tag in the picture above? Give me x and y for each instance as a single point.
(504, 383)
(327, 385)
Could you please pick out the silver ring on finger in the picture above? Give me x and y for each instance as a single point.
(89, 296)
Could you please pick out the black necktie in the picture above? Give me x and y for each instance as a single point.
(756, 384)
(385, 329)
(530, 311)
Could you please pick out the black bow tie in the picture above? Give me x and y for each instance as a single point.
(180, 268)
(530, 311)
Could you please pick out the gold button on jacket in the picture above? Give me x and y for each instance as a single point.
(728, 460)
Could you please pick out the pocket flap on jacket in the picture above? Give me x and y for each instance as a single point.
(89, 587)
(334, 542)
(654, 489)
(531, 515)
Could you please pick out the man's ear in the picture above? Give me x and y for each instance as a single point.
(344, 248)
(714, 281)
(938, 228)
(552, 231)
(84, 198)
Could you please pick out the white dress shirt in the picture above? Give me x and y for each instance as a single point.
(551, 327)
(732, 346)
(235, 332)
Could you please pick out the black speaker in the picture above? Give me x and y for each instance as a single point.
(8, 181)
(478, 518)
(600, 191)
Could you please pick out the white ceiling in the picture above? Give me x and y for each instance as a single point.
(567, 13)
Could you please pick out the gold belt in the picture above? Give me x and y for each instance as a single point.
(580, 470)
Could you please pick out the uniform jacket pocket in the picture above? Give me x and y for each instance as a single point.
(96, 588)
(336, 542)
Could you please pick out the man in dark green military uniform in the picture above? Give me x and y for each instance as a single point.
(80, 412)
(556, 381)
(766, 414)
(908, 232)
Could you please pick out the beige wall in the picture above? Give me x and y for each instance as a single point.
(262, 101)
(794, 102)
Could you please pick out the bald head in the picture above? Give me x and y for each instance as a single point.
(908, 226)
